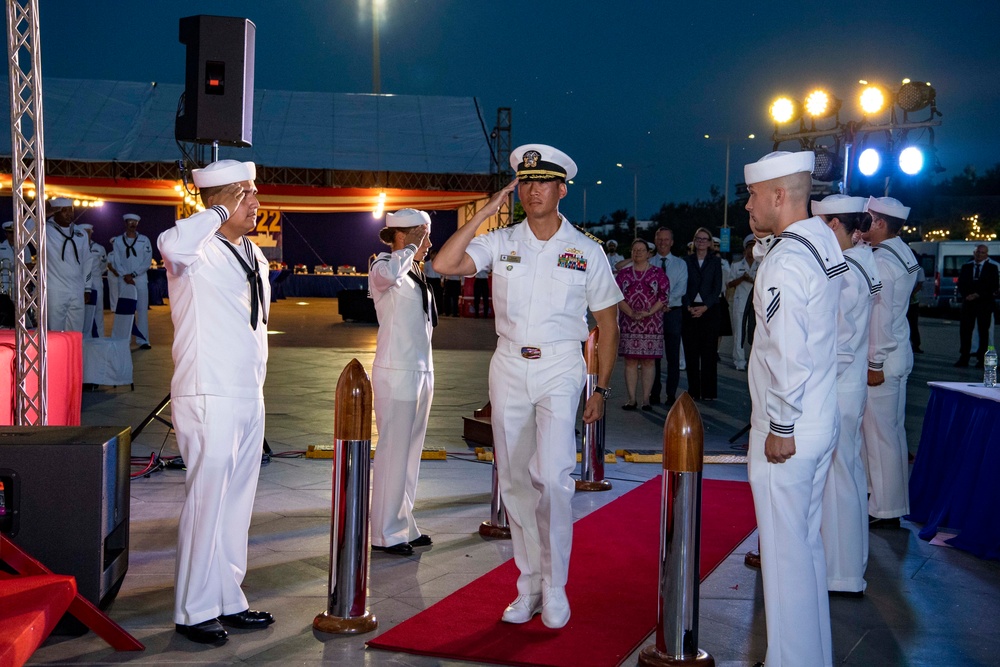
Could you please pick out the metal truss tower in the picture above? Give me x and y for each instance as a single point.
(502, 138)
(28, 192)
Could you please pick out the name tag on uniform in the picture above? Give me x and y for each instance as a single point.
(573, 259)
(514, 259)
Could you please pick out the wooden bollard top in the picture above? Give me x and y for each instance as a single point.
(590, 351)
(352, 415)
(683, 437)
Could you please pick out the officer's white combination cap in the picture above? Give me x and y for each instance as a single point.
(131, 216)
(224, 172)
(834, 204)
(407, 217)
(60, 202)
(778, 164)
(538, 162)
(748, 239)
(8, 225)
(888, 206)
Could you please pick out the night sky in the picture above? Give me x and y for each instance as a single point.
(633, 82)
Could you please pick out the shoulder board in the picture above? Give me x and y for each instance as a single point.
(588, 234)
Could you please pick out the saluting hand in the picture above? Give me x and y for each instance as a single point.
(416, 236)
(230, 196)
(497, 200)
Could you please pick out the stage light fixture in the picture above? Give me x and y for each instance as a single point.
(828, 166)
(785, 110)
(915, 95)
(911, 160)
(820, 104)
(869, 161)
(872, 99)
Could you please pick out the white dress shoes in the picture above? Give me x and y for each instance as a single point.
(522, 609)
(555, 606)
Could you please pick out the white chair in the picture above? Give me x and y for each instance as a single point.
(108, 361)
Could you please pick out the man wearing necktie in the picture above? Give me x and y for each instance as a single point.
(402, 378)
(219, 294)
(68, 268)
(676, 270)
(131, 254)
(977, 283)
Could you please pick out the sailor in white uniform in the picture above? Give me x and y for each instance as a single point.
(68, 268)
(402, 378)
(131, 254)
(93, 325)
(794, 420)
(546, 275)
(845, 501)
(890, 360)
(219, 294)
(740, 277)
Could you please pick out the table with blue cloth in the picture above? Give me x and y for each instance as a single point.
(955, 483)
(312, 285)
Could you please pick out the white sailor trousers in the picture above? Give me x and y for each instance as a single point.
(736, 318)
(788, 499)
(220, 440)
(884, 437)
(845, 500)
(65, 309)
(402, 407)
(534, 410)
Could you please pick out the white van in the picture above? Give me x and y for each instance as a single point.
(942, 261)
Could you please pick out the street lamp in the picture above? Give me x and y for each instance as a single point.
(725, 192)
(635, 193)
(584, 220)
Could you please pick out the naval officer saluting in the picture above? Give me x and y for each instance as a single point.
(546, 275)
(794, 420)
(402, 378)
(219, 295)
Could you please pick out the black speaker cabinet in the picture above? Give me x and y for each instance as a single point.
(218, 81)
(66, 496)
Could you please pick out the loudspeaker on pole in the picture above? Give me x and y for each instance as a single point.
(218, 82)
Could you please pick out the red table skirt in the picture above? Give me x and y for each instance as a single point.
(65, 375)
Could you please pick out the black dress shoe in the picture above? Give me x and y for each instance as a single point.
(647, 408)
(962, 362)
(654, 400)
(401, 549)
(979, 364)
(883, 523)
(248, 619)
(847, 594)
(206, 632)
(422, 541)
(145, 346)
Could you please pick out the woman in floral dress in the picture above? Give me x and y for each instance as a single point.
(646, 291)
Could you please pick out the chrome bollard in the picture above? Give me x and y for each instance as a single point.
(592, 452)
(680, 542)
(346, 611)
(497, 528)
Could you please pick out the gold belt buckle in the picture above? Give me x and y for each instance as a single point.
(531, 353)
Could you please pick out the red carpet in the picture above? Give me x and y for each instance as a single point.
(613, 588)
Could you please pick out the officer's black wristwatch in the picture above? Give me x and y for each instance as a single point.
(603, 391)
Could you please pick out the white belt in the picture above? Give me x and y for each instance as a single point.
(529, 351)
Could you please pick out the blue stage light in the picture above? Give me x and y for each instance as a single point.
(869, 161)
(911, 160)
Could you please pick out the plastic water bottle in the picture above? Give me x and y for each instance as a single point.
(990, 367)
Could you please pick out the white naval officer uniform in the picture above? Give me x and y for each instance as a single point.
(94, 313)
(67, 270)
(741, 294)
(403, 386)
(218, 407)
(889, 351)
(792, 377)
(541, 293)
(133, 257)
(845, 500)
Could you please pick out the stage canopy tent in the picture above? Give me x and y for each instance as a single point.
(114, 140)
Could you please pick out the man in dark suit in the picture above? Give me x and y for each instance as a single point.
(978, 281)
